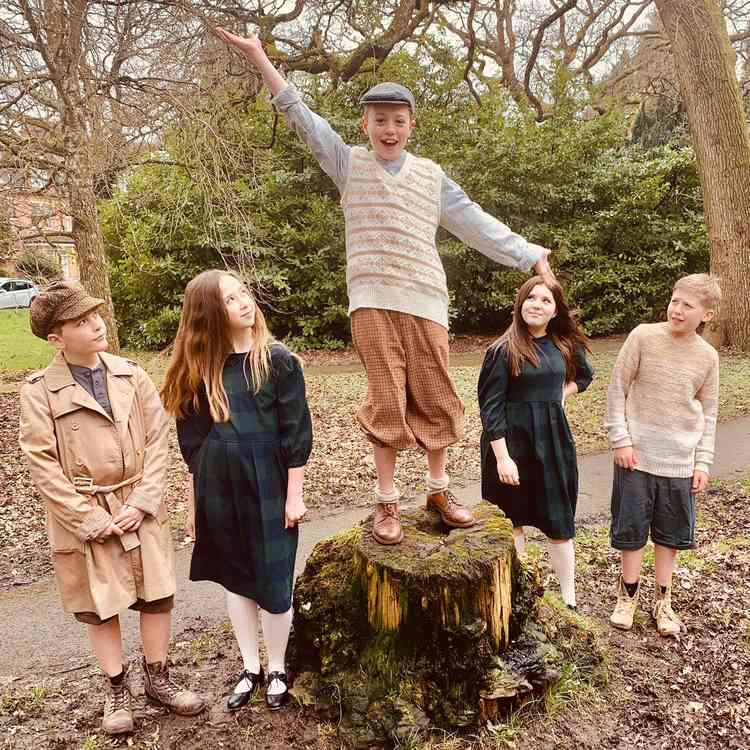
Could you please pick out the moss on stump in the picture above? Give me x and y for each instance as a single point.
(439, 631)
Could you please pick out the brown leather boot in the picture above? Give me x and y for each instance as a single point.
(386, 525)
(161, 689)
(118, 714)
(451, 511)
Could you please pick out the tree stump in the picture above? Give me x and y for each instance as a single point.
(438, 631)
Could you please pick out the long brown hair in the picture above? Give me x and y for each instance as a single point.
(563, 329)
(202, 345)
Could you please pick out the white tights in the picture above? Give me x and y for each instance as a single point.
(243, 613)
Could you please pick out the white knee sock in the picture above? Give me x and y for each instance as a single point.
(562, 557)
(520, 542)
(276, 636)
(437, 484)
(243, 613)
(392, 496)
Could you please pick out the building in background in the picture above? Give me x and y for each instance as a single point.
(35, 227)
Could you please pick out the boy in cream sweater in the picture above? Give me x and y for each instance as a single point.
(661, 418)
(398, 299)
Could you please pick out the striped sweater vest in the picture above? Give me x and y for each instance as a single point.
(392, 262)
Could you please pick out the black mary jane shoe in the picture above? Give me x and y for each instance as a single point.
(276, 700)
(237, 700)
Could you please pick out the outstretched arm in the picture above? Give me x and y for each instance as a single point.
(323, 141)
(475, 227)
(252, 50)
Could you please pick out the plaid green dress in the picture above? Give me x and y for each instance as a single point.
(527, 411)
(240, 472)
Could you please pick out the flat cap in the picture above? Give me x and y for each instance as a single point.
(388, 93)
(58, 303)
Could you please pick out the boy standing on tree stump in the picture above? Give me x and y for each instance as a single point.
(393, 203)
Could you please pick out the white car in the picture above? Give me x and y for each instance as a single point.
(17, 292)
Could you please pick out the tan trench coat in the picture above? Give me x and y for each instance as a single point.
(76, 453)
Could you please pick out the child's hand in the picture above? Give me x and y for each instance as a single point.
(700, 480)
(625, 458)
(508, 471)
(294, 511)
(129, 518)
(543, 268)
(249, 46)
(113, 528)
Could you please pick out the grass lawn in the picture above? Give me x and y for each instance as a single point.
(19, 349)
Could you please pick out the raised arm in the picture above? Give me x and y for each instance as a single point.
(475, 227)
(325, 144)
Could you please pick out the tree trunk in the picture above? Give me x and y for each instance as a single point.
(705, 65)
(442, 630)
(89, 242)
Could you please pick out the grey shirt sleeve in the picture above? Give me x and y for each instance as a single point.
(323, 141)
(476, 228)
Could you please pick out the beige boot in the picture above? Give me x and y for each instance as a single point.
(160, 688)
(386, 524)
(118, 714)
(626, 606)
(667, 622)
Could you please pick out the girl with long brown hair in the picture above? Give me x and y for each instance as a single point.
(529, 464)
(245, 432)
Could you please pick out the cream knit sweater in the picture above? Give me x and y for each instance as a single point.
(663, 399)
(392, 262)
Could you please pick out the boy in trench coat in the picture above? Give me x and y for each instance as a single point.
(95, 437)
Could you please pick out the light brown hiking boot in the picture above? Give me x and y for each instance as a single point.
(451, 511)
(161, 689)
(118, 714)
(667, 622)
(386, 525)
(626, 606)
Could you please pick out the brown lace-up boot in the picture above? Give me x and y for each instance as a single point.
(160, 688)
(451, 511)
(386, 525)
(118, 714)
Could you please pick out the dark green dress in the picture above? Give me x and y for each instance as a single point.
(240, 473)
(527, 411)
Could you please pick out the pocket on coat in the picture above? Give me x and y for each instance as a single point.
(71, 575)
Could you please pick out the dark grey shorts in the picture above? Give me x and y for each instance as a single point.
(643, 502)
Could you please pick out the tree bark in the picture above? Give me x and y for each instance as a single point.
(89, 242)
(705, 66)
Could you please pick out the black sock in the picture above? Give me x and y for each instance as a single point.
(663, 589)
(117, 679)
(631, 588)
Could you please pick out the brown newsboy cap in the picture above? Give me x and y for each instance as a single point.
(58, 303)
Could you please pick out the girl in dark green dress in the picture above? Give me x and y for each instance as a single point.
(245, 432)
(529, 467)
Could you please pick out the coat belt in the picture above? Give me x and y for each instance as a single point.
(86, 486)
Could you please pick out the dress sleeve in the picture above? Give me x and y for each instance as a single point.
(192, 432)
(491, 391)
(584, 370)
(295, 423)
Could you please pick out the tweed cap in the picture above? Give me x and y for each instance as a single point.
(58, 303)
(388, 93)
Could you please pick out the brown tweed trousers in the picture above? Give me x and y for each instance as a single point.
(411, 400)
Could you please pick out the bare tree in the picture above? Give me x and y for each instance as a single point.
(705, 64)
(81, 90)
